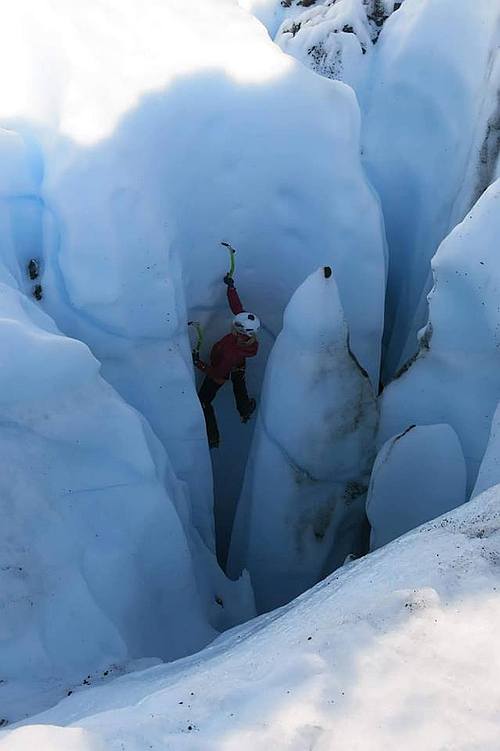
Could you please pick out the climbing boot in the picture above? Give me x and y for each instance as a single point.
(250, 410)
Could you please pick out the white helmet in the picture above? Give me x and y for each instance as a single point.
(246, 323)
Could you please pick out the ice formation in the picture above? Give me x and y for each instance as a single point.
(427, 78)
(132, 145)
(417, 476)
(489, 470)
(88, 528)
(179, 129)
(454, 378)
(302, 505)
(428, 114)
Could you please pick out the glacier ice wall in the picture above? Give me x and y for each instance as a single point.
(206, 132)
(417, 475)
(428, 80)
(301, 511)
(489, 474)
(454, 377)
(95, 567)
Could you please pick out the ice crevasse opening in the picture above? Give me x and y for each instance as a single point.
(132, 144)
(226, 171)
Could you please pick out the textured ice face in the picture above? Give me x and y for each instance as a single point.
(427, 79)
(453, 379)
(177, 128)
(417, 476)
(301, 511)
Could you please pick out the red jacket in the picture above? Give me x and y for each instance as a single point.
(230, 352)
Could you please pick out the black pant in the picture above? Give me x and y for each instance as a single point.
(207, 393)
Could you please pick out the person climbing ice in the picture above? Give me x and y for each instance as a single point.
(227, 360)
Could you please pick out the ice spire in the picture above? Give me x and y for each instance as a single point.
(301, 508)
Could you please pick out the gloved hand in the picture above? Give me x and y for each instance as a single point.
(196, 356)
(228, 279)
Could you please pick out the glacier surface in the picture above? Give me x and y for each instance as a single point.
(396, 650)
(133, 140)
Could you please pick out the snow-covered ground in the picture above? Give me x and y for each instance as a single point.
(398, 650)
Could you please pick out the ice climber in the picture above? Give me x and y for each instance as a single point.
(227, 360)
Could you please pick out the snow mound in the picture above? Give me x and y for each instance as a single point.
(302, 506)
(417, 476)
(396, 650)
(336, 39)
(269, 12)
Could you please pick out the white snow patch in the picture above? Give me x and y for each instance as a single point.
(398, 650)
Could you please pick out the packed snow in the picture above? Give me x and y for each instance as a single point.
(398, 650)
(338, 39)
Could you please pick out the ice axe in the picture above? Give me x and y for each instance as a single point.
(232, 252)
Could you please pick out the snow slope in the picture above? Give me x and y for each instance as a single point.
(193, 134)
(454, 378)
(398, 650)
(301, 510)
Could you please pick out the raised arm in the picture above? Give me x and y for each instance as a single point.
(232, 296)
